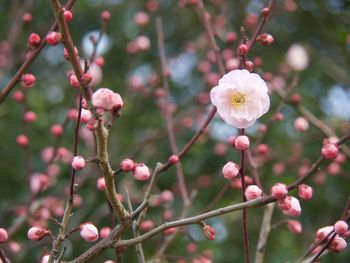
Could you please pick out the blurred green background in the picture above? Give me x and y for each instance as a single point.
(322, 27)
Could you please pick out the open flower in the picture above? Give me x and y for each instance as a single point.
(240, 98)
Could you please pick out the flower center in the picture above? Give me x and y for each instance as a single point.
(237, 99)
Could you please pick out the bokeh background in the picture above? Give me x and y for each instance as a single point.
(320, 26)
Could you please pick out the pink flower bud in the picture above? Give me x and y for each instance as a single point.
(73, 81)
(192, 248)
(57, 130)
(209, 232)
(152, 5)
(301, 124)
(3, 235)
(38, 182)
(33, 40)
(106, 15)
(65, 155)
(18, 96)
(170, 231)
(230, 170)
(78, 163)
(29, 116)
(105, 231)
(295, 98)
(265, 12)
(294, 226)
(86, 79)
(278, 116)
(147, 225)
(101, 184)
(88, 232)
(141, 18)
(278, 168)
(72, 114)
(127, 165)
(106, 99)
(294, 209)
(242, 143)
(265, 39)
(28, 80)
(92, 124)
(242, 49)
(305, 191)
(262, 149)
(68, 15)
(231, 140)
(173, 159)
(341, 158)
(329, 151)
(231, 37)
(252, 192)
(27, 17)
(22, 140)
(167, 196)
(340, 227)
(323, 232)
(53, 38)
(141, 172)
(99, 61)
(338, 244)
(285, 203)
(279, 191)
(37, 233)
(85, 116)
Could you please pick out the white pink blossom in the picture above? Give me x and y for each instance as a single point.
(297, 57)
(240, 98)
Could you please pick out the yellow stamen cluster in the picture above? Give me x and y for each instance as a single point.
(237, 99)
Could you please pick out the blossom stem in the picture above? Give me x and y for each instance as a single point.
(244, 211)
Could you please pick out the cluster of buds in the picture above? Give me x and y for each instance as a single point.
(330, 149)
(289, 204)
(140, 170)
(338, 242)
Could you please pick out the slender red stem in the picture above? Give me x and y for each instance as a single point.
(75, 148)
(244, 211)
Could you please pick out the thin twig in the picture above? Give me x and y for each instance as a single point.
(264, 233)
(168, 113)
(138, 247)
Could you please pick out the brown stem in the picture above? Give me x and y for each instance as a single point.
(169, 116)
(260, 27)
(264, 233)
(112, 241)
(101, 133)
(244, 211)
(3, 257)
(138, 247)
